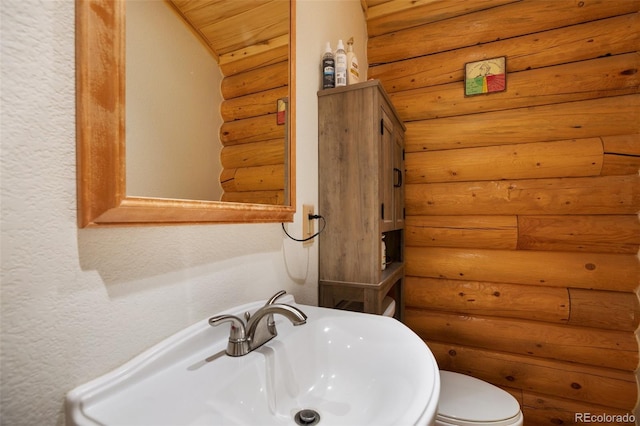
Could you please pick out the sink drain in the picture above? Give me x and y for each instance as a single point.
(307, 417)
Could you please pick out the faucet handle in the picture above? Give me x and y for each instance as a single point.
(237, 326)
(238, 344)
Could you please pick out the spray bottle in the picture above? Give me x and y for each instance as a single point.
(328, 69)
(341, 65)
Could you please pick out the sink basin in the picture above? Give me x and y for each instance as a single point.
(349, 368)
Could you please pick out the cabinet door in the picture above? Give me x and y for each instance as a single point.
(398, 179)
(387, 210)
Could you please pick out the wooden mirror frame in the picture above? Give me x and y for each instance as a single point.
(100, 138)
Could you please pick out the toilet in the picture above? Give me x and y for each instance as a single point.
(467, 401)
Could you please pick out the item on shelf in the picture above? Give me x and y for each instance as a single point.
(353, 72)
(341, 65)
(328, 68)
(384, 254)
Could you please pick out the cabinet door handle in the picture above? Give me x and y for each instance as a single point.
(398, 180)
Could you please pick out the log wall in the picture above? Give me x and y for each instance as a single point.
(254, 148)
(522, 231)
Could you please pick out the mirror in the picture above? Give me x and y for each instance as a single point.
(173, 119)
(101, 142)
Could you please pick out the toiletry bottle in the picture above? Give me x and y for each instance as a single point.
(383, 252)
(341, 65)
(353, 73)
(328, 69)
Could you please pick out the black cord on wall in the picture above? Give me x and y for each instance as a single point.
(311, 217)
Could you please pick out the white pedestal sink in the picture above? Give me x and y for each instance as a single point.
(347, 368)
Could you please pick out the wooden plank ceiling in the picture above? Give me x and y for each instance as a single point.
(228, 26)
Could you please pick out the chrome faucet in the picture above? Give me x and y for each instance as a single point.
(260, 327)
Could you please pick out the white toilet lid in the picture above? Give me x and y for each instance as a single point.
(465, 399)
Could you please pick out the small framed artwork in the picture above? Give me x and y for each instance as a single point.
(281, 116)
(486, 76)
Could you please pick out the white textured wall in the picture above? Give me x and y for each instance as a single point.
(77, 303)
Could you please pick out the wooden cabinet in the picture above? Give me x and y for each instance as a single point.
(361, 196)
